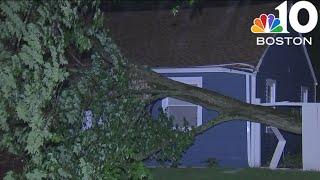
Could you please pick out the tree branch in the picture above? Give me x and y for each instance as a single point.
(229, 108)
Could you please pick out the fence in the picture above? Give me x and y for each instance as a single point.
(311, 136)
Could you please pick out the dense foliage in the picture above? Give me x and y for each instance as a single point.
(53, 70)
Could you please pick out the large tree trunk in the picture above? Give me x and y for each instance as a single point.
(229, 109)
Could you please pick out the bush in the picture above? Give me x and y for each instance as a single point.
(212, 163)
(292, 161)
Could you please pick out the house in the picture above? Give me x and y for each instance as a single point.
(216, 50)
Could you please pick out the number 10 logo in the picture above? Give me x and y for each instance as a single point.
(269, 24)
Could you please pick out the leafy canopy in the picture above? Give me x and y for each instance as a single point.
(53, 68)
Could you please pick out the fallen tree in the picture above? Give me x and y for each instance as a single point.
(156, 86)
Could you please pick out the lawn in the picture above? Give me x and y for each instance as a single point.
(231, 174)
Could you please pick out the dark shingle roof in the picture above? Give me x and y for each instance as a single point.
(217, 35)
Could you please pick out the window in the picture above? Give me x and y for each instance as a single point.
(270, 91)
(182, 110)
(304, 94)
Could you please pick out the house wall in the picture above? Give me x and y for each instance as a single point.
(288, 66)
(226, 142)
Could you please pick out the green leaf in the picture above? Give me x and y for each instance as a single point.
(36, 174)
(9, 176)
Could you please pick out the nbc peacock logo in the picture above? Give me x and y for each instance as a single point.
(266, 24)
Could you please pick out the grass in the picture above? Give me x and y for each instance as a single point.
(231, 174)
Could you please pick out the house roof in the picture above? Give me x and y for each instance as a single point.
(216, 35)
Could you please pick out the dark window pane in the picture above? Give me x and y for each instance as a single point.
(189, 113)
